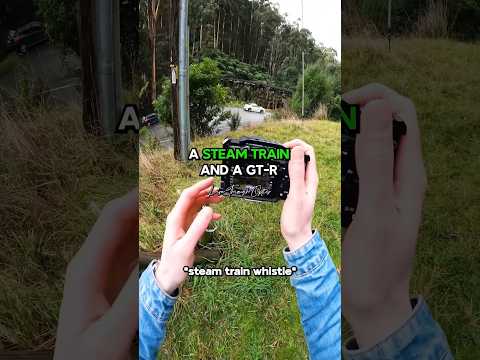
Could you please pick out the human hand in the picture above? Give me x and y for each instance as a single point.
(99, 312)
(186, 224)
(378, 248)
(297, 213)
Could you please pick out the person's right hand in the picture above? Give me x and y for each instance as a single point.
(297, 213)
(378, 248)
(186, 224)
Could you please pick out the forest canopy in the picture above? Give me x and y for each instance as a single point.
(252, 32)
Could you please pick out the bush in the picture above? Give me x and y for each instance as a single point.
(282, 114)
(321, 113)
(234, 121)
(322, 86)
(207, 98)
(162, 105)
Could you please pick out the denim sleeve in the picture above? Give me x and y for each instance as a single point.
(420, 337)
(155, 307)
(318, 295)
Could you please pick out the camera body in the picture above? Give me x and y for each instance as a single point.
(267, 187)
(349, 174)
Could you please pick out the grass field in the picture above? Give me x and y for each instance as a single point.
(241, 317)
(54, 179)
(441, 77)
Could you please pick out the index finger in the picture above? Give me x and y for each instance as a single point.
(188, 198)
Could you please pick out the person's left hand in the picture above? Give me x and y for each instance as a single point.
(99, 312)
(186, 224)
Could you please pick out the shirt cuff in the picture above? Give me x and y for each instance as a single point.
(156, 302)
(308, 257)
(416, 327)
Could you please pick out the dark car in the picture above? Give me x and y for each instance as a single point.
(26, 37)
(150, 120)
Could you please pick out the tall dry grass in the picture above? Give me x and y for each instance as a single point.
(52, 178)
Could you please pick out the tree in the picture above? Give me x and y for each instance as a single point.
(129, 38)
(60, 18)
(153, 10)
(322, 87)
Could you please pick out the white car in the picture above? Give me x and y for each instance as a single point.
(254, 108)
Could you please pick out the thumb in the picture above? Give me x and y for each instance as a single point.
(296, 170)
(374, 157)
(197, 228)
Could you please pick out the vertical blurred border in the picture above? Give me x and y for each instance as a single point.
(434, 60)
(60, 162)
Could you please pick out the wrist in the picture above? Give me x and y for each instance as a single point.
(163, 282)
(296, 241)
(374, 323)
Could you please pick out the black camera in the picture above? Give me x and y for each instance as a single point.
(271, 183)
(349, 176)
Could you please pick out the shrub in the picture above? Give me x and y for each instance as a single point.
(207, 98)
(322, 86)
(321, 113)
(234, 121)
(282, 114)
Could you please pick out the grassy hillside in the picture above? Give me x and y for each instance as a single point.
(240, 317)
(54, 179)
(442, 79)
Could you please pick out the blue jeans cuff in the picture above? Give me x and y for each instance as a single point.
(156, 302)
(308, 257)
(420, 334)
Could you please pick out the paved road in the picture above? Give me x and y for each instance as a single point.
(164, 134)
(247, 119)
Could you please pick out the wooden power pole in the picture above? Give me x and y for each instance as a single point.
(173, 44)
(90, 112)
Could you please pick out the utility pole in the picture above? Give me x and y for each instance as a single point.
(173, 43)
(303, 74)
(90, 96)
(108, 65)
(389, 25)
(183, 84)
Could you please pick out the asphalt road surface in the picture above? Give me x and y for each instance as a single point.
(164, 134)
(247, 119)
